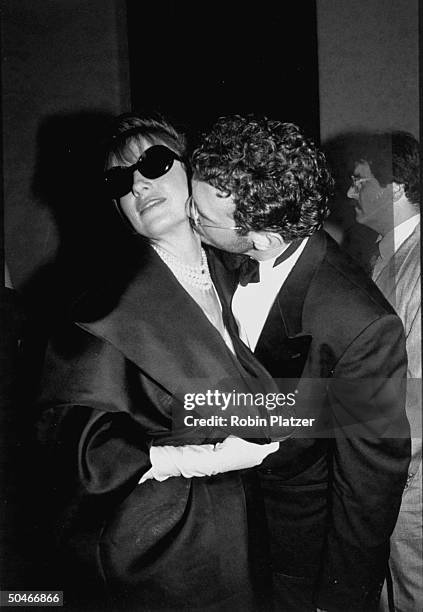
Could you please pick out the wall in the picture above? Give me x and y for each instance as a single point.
(62, 61)
(368, 65)
(368, 80)
(221, 58)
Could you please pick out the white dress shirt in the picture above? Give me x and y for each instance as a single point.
(251, 304)
(391, 242)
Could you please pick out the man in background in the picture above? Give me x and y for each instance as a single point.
(386, 193)
(260, 190)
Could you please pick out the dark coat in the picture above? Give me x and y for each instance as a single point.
(112, 383)
(332, 497)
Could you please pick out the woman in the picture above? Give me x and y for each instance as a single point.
(115, 378)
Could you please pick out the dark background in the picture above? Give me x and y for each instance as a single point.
(197, 61)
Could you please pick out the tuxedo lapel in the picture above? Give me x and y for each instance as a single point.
(283, 346)
(283, 356)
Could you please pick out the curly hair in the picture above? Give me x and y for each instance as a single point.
(132, 128)
(278, 179)
(394, 157)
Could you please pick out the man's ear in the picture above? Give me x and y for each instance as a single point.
(264, 241)
(398, 191)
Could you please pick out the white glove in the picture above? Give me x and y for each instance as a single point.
(190, 460)
(238, 454)
(206, 459)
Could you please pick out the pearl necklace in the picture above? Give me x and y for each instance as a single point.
(197, 276)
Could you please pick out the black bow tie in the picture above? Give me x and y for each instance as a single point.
(249, 268)
(249, 271)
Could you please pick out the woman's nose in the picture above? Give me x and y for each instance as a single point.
(140, 184)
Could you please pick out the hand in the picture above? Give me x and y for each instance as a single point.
(237, 454)
(205, 460)
(188, 461)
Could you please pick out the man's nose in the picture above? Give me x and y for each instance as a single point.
(352, 193)
(140, 184)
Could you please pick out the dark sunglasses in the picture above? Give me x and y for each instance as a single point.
(152, 164)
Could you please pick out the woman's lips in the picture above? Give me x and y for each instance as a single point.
(148, 203)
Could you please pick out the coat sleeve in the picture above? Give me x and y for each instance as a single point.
(369, 465)
(91, 435)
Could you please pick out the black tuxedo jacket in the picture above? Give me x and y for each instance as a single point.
(113, 380)
(332, 496)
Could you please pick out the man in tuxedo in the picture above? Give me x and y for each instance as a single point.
(317, 323)
(386, 194)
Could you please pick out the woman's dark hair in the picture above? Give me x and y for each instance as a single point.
(132, 128)
(278, 179)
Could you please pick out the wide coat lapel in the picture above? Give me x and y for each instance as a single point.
(146, 323)
(224, 273)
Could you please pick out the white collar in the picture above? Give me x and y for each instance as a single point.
(266, 265)
(391, 242)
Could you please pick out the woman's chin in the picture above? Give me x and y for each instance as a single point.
(164, 228)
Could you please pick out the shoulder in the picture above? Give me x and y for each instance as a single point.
(346, 285)
(74, 347)
(342, 299)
